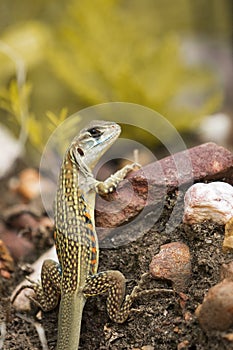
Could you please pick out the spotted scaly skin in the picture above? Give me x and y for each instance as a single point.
(75, 277)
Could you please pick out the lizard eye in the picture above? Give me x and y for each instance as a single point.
(95, 132)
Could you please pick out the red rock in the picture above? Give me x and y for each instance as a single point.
(216, 311)
(17, 245)
(227, 271)
(172, 263)
(22, 220)
(148, 186)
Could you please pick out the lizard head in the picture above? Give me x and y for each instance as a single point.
(93, 141)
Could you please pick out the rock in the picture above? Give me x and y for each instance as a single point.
(11, 149)
(148, 187)
(216, 311)
(213, 201)
(227, 271)
(23, 230)
(172, 263)
(6, 261)
(228, 239)
(183, 345)
(228, 337)
(17, 245)
(27, 184)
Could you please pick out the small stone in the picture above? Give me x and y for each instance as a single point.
(11, 149)
(183, 300)
(172, 263)
(213, 201)
(228, 239)
(182, 345)
(27, 184)
(4, 273)
(227, 271)
(216, 311)
(188, 316)
(6, 261)
(228, 337)
(177, 330)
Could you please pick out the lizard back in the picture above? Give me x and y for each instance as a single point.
(75, 235)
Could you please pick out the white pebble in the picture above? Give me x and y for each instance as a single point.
(213, 201)
(11, 149)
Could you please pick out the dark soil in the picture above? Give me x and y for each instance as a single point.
(163, 321)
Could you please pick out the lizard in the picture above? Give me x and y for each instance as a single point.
(76, 277)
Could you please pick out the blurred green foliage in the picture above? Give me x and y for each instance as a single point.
(80, 53)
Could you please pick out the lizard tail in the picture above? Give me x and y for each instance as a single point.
(69, 322)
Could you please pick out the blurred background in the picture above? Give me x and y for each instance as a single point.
(58, 57)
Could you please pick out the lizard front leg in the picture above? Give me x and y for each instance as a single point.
(107, 186)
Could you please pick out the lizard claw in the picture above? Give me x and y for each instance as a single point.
(29, 280)
(136, 166)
